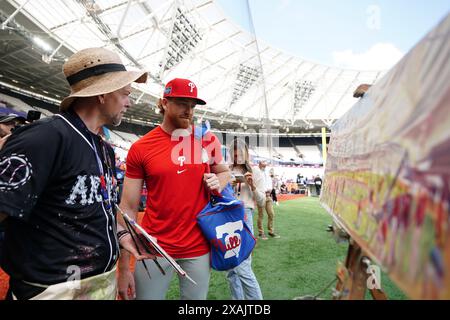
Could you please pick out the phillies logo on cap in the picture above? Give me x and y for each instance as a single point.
(182, 88)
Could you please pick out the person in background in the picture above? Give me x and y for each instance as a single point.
(275, 187)
(268, 203)
(318, 184)
(7, 124)
(299, 179)
(120, 175)
(242, 280)
(283, 188)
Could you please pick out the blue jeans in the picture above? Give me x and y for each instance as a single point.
(242, 280)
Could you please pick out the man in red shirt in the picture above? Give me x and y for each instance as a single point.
(171, 162)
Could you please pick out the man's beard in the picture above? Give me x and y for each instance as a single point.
(182, 123)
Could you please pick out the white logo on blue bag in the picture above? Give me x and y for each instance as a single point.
(232, 239)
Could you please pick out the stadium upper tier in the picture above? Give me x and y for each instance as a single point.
(191, 39)
(285, 150)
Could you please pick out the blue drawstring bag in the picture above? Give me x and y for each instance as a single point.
(223, 224)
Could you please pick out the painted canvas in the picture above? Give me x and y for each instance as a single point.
(387, 178)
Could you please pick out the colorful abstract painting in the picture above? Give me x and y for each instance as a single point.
(387, 176)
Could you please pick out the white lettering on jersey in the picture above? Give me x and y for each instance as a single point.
(79, 189)
(95, 183)
(86, 191)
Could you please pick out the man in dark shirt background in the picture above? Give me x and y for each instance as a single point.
(57, 188)
(7, 123)
(318, 183)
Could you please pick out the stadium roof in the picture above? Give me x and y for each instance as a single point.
(175, 38)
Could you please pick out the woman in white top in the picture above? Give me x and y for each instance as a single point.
(249, 189)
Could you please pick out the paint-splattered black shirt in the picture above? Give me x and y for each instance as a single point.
(58, 222)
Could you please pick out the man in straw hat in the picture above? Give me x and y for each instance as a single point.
(57, 188)
(178, 184)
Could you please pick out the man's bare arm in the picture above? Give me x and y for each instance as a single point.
(129, 201)
(222, 172)
(2, 217)
(129, 204)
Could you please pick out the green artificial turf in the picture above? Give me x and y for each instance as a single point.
(302, 262)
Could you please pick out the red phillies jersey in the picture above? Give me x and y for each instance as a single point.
(173, 173)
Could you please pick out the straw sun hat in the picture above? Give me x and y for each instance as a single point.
(95, 71)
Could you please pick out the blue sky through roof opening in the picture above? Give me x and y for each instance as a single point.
(363, 34)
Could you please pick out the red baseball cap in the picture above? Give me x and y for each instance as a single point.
(182, 88)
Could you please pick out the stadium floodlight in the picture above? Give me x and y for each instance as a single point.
(245, 78)
(303, 92)
(42, 44)
(184, 39)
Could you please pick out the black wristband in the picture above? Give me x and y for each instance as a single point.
(121, 234)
